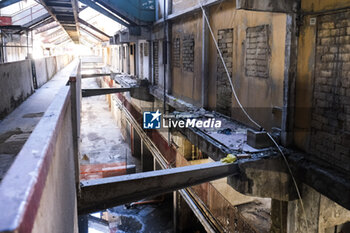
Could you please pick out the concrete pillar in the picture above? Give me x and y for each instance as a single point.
(279, 210)
(137, 145)
(83, 223)
(127, 56)
(322, 214)
(184, 218)
(289, 81)
(146, 159)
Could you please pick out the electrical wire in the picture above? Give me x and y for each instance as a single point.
(251, 119)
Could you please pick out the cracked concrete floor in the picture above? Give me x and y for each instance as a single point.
(102, 140)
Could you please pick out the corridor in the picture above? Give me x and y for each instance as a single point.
(175, 116)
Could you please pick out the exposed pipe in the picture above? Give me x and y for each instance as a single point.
(165, 41)
(146, 202)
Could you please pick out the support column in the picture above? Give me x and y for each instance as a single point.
(322, 214)
(289, 80)
(205, 55)
(279, 213)
(168, 39)
(147, 162)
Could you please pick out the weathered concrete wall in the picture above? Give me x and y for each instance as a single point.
(180, 5)
(257, 37)
(63, 60)
(16, 79)
(47, 67)
(58, 208)
(257, 94)
(51, 65)
(268, 5)
(16, 85)
(143, 59)
(322, 5)
(44, 198)
(321, 213)
(322, 125)
(186, 77)
(41, 71)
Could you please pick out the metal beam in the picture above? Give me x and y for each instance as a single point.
(93, 75)
(105, 193)
(38, 21)
(63, 42)
(189, 10)
(5, 3)
(91, 34)
(93, 27)
(87, 41)
(54, 35)
(68, 19)
(45, 28)
(103, 11)
(104, 91)
(75, 8)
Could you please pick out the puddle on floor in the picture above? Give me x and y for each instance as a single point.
(139, 218)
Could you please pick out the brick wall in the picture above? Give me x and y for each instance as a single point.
(330, 127)
(188, 53)
(176, 53)
(223, 88)
(155, 62)
(257, 50)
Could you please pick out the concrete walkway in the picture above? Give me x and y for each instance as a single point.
(18, 125)
(102, 141)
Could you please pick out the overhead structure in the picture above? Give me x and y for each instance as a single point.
(127, 13)
(65, 12)
(5, 3)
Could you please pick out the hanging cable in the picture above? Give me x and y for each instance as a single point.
(251, 119)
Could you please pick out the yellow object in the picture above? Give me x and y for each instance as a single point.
(230, 158)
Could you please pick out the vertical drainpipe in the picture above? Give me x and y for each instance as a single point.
(2, 53)
(205, 64)
(156, 7)
(136, 54)
(169, 39)
(27, 44)
(150, 73)
(128, 57)
(164, 55)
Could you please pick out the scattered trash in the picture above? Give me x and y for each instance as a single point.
(230, 158)
(85, 157)
(226, 131)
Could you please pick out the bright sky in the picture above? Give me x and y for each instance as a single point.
(100, 21)
(10, 10)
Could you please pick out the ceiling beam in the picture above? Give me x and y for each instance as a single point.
(93, 27)
(47, 27)
(91, 34)
(67, 19)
